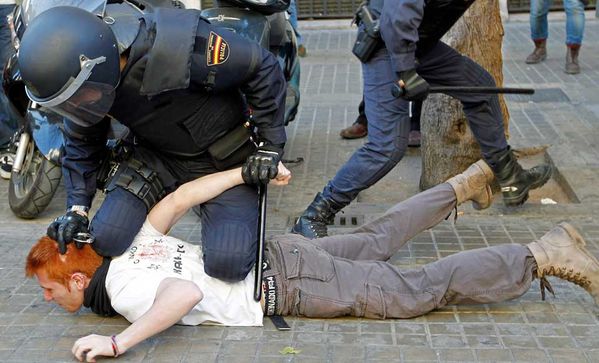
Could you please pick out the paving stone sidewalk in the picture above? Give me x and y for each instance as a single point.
(565, 328)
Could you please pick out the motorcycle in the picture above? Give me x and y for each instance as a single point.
(267, 23)
(38, 142)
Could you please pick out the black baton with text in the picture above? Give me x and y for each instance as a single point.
(261, 234)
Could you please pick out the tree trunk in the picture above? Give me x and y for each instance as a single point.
(448, 146)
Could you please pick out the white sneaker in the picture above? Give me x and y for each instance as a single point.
(6, 161)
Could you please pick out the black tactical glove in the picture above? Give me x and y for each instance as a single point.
(66, 227)
(415, 87)
(263, 165)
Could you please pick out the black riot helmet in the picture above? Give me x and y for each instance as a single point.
(69, 61)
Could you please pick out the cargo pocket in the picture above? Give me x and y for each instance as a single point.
(318, 307)
(375, 307)
(307, 261)
(310, 272)
(383, 304)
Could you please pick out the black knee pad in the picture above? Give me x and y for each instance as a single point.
(228, 266)
(229, 250)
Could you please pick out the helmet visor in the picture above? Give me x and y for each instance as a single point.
(82, 101)
(88, 105)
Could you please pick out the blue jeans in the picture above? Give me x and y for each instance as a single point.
(389, 120)
(293, 19)
(574, 20)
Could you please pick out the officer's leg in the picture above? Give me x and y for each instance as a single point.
(229, 233)
(116, 222)
(122, 213)
(389, 125)
(444, 66)
(388, 129)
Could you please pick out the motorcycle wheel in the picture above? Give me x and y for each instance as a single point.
(31, 190)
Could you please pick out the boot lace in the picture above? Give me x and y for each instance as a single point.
(565, 274)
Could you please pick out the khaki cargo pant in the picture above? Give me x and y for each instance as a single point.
(347, 274)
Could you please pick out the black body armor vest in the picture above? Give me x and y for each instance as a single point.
(154, 98)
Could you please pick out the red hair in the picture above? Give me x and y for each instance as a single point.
(44, 256)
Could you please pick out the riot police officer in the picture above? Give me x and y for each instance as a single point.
(411, 54)
(185, 89)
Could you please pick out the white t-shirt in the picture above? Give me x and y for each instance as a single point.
(192, 4)
(133, 278)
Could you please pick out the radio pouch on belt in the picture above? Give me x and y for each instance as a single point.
(233, 148)
(369, 35)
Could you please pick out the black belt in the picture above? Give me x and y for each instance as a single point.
(271, 295)
(272, 299)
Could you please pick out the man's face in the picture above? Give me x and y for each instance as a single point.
(70, 300)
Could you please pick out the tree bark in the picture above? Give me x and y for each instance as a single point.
(448, 146)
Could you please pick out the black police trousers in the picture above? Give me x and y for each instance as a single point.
(228, 222)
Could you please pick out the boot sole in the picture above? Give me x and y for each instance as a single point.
(523, 197)
(536, 62)
(581, 247)
(352, 137)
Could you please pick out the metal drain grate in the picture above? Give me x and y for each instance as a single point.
(541, 95)
(342, 220)
(348, 220)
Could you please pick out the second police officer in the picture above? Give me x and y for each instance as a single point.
(411, 54)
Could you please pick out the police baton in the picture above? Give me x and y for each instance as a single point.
(260, 251)
(398, 91)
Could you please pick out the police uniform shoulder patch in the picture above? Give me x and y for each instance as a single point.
(217, 51)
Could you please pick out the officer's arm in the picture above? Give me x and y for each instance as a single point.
(399, 24)
(174, 299)
(85, 148)
(265, 92)
(171, 208)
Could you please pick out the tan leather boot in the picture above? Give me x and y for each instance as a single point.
(561, 252)
(539, 54)
(473, 184)
(572, 66)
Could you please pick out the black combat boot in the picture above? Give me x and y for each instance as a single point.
(514, 181)
(313, 222)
